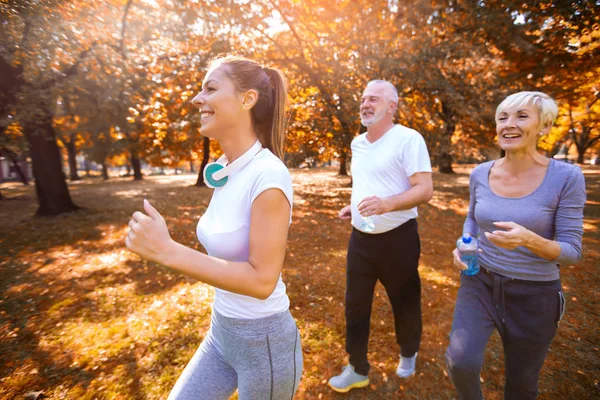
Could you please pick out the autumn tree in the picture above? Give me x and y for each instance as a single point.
(101, 140)
(553, 47)
(71, 113)
(339, 46)
(331, 46)
(309, 137)
(448, 76)
(579, 118)
(13, 147)
(39, 48)
(160, 52)
(115, 77)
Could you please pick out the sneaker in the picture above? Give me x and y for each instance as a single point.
(406, 367)
(347, 380)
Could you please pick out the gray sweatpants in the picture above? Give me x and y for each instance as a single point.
(526, 315)
(262, 358)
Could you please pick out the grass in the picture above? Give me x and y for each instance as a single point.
(82, 318)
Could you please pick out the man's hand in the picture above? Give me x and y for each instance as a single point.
(372, 205)
(345, 213)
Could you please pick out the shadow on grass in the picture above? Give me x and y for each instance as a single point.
(62, 270)
(41, 288)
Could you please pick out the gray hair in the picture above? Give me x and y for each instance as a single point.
(546, 105)
(390, 90)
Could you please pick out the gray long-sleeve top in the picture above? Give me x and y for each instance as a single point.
(554, 211)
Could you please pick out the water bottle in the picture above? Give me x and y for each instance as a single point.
(367, 224)
(467, 247)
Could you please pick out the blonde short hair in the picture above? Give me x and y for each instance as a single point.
(547, 108)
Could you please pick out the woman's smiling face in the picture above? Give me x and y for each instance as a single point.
(219, 102)
(518, 127)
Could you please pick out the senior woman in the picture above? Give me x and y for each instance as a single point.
(527, 211)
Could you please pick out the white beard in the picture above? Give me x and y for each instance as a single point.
(377, 116)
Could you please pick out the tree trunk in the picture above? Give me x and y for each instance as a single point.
(444, 158)
(555, 149)
(50, 184)
(344, 145)
(72, 155)
(445, 163)
(86, 162)
(205, 157)
(136, 164)
(343, 171)
(14, 159)
(11, 82)
(580, 155)
(192, 166)
(104, 170)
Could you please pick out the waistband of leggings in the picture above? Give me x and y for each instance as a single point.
(256, 326)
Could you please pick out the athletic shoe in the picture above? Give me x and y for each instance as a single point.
(406, 366)
(347, 380)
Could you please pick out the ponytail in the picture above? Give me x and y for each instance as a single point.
(277, 132)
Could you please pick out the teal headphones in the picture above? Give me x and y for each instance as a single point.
(215, 174)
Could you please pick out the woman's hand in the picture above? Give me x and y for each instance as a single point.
(148, 235)
(512, 237)
(457, 262)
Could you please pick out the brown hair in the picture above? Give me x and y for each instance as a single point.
(268, 114)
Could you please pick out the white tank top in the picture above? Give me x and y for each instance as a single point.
(224, 230)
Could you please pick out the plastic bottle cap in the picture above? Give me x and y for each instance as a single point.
(467, 238)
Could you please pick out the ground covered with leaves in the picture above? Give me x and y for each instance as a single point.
(82, 318)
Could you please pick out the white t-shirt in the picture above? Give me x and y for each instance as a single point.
(382, 169)
(224, 230)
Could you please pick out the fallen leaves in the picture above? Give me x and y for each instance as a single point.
(80, 314)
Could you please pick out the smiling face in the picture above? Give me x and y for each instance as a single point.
(219, 102)
(518, 127)
(375, 105)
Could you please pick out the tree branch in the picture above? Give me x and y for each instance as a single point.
(123, 28)
(592, 141)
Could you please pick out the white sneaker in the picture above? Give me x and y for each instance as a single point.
(406, 366)
(348, 380)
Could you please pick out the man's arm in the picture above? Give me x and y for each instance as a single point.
(420, 192)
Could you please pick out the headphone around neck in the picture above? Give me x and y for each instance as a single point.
(215, 174)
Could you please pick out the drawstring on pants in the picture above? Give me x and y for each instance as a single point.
(498, 294)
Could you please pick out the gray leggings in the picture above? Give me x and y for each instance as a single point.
(261, 357)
